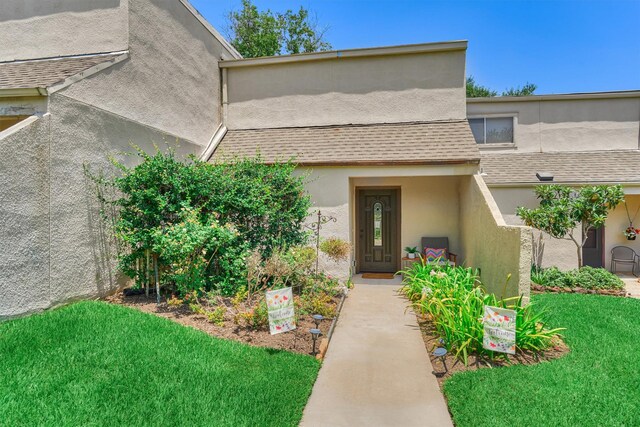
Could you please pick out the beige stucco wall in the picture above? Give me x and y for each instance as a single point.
(171, 80)
(400, 88)
(569, 125)
(54, 247)
(40, 29)
(491, 245)
(562, 252)
(428, 194)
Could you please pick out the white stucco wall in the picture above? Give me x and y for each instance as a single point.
(568, 125)
(398, 88)
(54, 249)
(490, 244)
(171, 80)
(41, 29)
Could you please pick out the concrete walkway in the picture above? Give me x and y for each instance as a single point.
(377, 371)
(631, 285)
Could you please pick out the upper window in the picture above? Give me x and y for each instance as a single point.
(492, 130)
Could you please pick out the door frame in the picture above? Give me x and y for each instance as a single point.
(398, 231)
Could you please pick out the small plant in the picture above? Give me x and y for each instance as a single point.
(174, 301)
(336, 249)
(630, 233)
(197, 308)
(411, 251)
(585, 277)
(217, 316)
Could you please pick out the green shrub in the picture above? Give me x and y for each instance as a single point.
(585, 277)
(336, 249)
(201, 219)
(454, 300)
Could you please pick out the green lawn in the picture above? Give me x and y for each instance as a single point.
(597, 384)
(92, 363)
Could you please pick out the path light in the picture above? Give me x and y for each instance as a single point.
(317, 318)
(315, 333)
(441, 352)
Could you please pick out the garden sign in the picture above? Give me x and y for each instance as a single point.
(499, 329)
(280, 308)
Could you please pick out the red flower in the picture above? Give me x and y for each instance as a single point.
(285, 298)
(492, 344)
(506, 318)
(278, 328)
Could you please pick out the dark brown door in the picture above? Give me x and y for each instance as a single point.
(592, 251)
(378, 230)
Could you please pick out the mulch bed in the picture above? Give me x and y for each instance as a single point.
(431, 341)
(577, 290)
(297, 341)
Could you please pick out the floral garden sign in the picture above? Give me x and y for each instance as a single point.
(280, 308)
(499, 329)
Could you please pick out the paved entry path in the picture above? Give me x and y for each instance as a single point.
(377, 371)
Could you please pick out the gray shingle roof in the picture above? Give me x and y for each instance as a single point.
(46, 72)
(372, 144)
(566, 167)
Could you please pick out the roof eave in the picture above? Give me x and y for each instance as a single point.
(557, 97)
(384, 162)
(23, 92)
(347, 53)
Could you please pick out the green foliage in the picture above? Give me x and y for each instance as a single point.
(595, 384)
(526, 90)
(476, 90)
(584, 277)
(564, 208)
(202, 219)
(411, 249)
(454, 300)
(257, 33)
(216, 316)
(85, 364)
(336, 249)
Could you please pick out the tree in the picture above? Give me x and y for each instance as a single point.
(257, 33)
(564, 209)
(476, 90)
(526, 90)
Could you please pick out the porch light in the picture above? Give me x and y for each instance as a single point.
(441, 352)
(317, 318)
(544, 176)
(315, 333)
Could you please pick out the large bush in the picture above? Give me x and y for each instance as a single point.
(454, 300)
(585, 277)
(202, 219)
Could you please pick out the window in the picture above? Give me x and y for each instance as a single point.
(492, 130)
(377, 224)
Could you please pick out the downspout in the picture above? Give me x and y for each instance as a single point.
(222, 129)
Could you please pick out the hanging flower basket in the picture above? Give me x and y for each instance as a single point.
(631, 233)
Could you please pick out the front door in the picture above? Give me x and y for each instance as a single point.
(592, 251)
(377, 212)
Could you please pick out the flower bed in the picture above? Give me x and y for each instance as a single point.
(452, 300)
(586, 280)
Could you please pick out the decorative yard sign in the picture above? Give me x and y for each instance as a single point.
(499, 329)
(280, 308)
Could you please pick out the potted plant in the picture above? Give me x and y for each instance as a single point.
(411, 251)
(630, 233)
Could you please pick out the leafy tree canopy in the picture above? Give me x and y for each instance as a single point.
(476, 90)
(257, 33)
(564, 209)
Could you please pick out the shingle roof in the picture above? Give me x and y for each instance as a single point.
(372, 144)
(46, 72)
(566, 167)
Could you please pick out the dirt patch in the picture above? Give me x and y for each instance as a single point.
(298, 341)
(432, 341)
(577, 290)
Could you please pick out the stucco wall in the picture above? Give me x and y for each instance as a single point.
(24, 219)
(617, 222)
(171, 80)
(401, 88)
(560, 253)
(40, 29)
(491, 245)
(569, 125)
(57, 248)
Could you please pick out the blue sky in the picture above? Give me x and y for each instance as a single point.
(562, 46)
